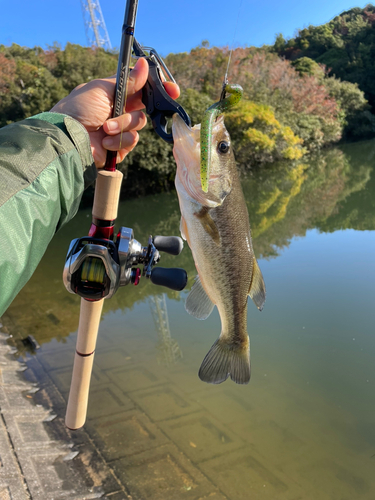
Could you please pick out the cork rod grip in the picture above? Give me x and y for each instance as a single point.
(89, 320)
(107, 193)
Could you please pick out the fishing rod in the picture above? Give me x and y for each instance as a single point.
(96, 265)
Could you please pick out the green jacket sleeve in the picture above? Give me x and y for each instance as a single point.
(45, 164)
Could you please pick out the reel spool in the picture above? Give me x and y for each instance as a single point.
(92, 268)
(95, 268)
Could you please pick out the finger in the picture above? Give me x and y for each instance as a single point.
(137, 79)
(125, 151)
(172, 89)
(134, 102)
(78, 87)
(111, 78)
(126, 141)
(138, 76)
(135, 120)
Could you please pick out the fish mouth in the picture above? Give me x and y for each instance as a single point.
(183, 133)
(186, 144)
(186, 151)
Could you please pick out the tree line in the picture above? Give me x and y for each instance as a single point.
(299, 95)
(345, 45)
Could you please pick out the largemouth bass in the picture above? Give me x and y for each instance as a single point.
(216, 226)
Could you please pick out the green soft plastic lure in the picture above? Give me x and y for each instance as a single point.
(235, 93)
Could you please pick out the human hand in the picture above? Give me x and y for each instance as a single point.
(91, 104)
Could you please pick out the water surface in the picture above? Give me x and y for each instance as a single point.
(304, 426)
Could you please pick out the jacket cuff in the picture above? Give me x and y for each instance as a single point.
(80, 138)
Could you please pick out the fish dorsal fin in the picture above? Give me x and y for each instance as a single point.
(208, 224)
(257, 289)
(198, 303)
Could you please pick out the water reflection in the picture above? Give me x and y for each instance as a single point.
(335, 190)
(285, 203)
(303, 428)
(168, 348)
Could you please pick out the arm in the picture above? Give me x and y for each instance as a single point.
(47, 161)
(45, 164)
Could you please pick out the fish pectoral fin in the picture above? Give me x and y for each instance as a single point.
(208, 224)
(257, 289)
(198, 303)
(224, 359)
(183, 228)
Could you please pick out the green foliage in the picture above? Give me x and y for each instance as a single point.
(77, 64)
(306, 66)
(345, 45)
(357, 120)
(354, 111)
(33, 80)
(297, 92)
(279, 42)
(315, 132)
(195, 103)
(31, 89)
(289, 107)
(259, 137)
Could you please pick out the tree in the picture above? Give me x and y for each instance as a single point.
(345, 45)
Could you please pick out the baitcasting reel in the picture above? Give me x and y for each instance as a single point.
(95, 268)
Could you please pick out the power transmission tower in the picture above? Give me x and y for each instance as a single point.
(96, 31)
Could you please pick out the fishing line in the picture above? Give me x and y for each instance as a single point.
(231, 50)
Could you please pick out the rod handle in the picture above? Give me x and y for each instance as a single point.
(107, 194)
(89, 320)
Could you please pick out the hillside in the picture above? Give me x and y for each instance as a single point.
(345, 45)
(295, 98)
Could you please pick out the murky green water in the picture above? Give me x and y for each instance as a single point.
(304, 428)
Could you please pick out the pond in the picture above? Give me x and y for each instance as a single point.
(304, 426)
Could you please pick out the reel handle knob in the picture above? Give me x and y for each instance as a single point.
(173, 278)
(169, 244)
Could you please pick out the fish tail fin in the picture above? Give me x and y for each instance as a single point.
(226, 359)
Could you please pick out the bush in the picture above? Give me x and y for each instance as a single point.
(356, 118)
(259, 137)
(288, 107)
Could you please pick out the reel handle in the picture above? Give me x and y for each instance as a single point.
(173, 278)
(169, 244)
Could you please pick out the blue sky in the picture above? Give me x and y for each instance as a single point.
(169, 26)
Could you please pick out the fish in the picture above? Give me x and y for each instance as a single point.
(215, 224)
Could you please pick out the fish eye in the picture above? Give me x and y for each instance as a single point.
(223, 147)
